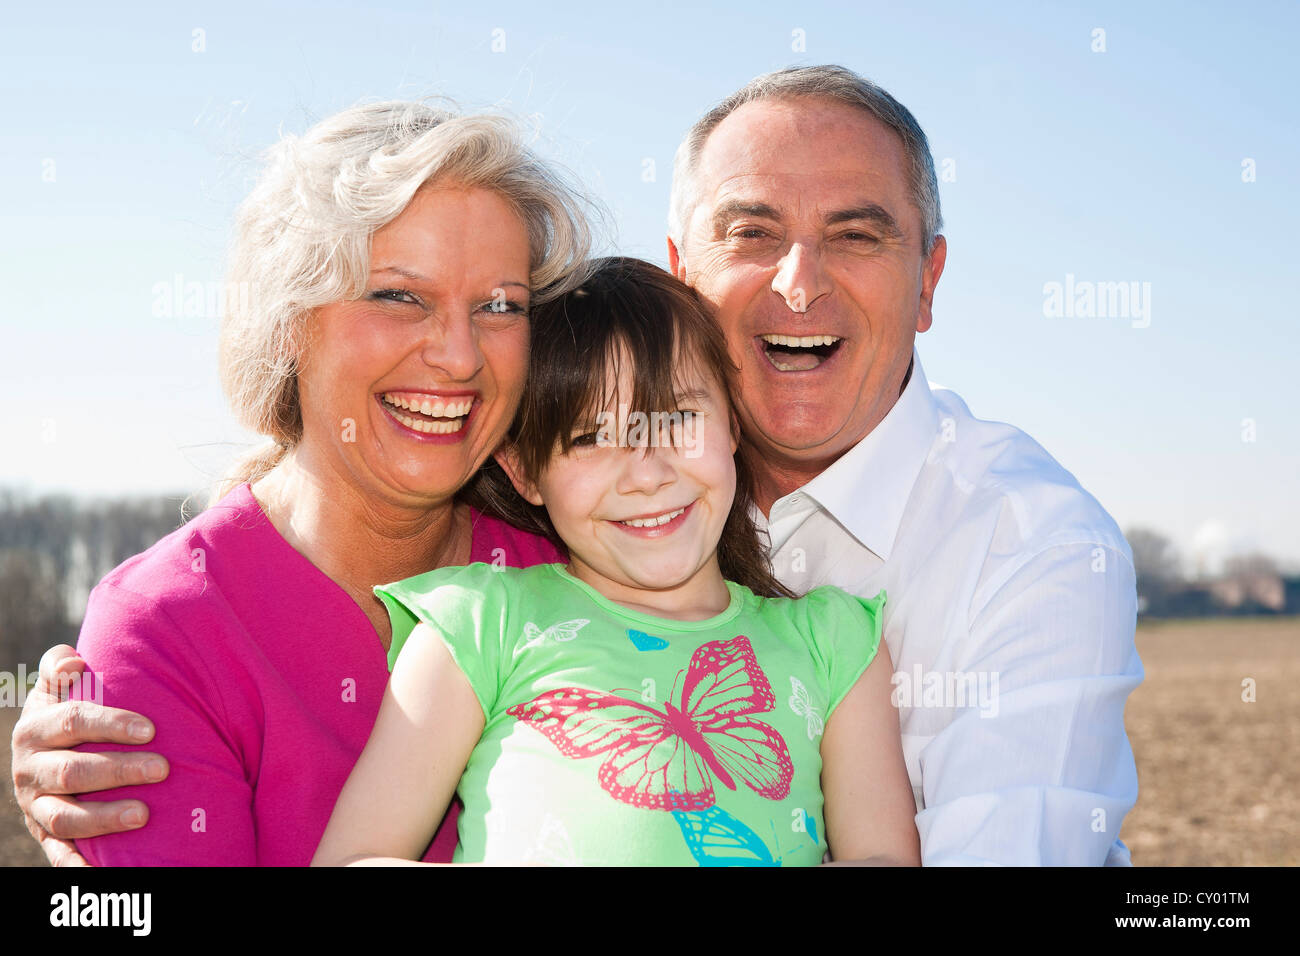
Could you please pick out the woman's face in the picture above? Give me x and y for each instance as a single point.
(407, 390)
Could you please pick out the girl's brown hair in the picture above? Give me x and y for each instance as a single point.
(625, 307)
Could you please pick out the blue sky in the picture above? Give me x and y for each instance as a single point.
(125, 150)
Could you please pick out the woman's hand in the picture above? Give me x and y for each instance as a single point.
(45, 771)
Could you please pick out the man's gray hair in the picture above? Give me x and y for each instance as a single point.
(829, 82)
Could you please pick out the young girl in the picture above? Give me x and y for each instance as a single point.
(661, 699)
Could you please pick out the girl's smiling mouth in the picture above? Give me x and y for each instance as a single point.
(655, 525)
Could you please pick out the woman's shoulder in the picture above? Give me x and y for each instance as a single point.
(183, 563)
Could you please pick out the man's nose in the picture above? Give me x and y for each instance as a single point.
(800, 279)
(451, 346)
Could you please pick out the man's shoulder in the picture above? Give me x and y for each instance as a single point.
(998, 472)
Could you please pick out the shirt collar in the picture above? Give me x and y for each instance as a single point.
(866, 489)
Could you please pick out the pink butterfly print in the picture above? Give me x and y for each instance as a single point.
(668, 760)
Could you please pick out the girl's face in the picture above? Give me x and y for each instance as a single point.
(619, 474)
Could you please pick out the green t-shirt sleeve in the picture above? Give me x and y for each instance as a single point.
(845, 631)
(466, 607)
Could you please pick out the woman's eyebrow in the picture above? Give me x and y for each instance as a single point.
(417, 277)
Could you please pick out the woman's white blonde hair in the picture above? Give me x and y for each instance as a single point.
(302, 239)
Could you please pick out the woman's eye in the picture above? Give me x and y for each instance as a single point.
(585, 440)
(503, 307)
(394, 295)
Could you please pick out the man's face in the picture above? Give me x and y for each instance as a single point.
(805, 241)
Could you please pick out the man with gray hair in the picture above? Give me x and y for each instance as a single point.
(805, 210)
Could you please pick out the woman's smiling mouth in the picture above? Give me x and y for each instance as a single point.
(427, 413)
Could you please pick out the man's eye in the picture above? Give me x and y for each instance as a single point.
(749, 232)
(859, 237)
(585, 440)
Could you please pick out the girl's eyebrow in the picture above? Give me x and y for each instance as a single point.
(693, 395)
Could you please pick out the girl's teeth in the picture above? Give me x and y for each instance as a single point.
(652, 522)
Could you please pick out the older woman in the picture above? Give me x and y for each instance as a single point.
(390, 257)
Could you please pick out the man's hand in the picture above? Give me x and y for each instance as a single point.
(45, 770)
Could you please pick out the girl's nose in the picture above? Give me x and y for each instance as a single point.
(646, 469)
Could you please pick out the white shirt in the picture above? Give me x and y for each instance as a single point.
(1010, 621)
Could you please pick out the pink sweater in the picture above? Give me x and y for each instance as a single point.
(262, 677)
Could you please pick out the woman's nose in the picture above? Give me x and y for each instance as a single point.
(452, 347)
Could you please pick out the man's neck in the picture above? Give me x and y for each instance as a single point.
(777, 475)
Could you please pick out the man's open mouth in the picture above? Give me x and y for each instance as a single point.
(430, 414)
(799, 353)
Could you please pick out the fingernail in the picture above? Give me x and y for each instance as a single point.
(139, 729)
(155, 769)
(133, 817)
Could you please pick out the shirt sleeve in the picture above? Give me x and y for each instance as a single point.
(845, 634)
(202, 814)
(467, 609)
(1045, 776)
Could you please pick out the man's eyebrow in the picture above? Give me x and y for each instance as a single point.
(735, 208)
(868, 212)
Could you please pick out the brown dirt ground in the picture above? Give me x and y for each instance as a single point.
(1219, 778)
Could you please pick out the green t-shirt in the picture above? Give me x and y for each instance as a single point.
(615, 737)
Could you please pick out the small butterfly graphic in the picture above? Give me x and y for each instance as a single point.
(716, 838)
(646, 642)
(802, 705)
(668, 760)
(564, 631)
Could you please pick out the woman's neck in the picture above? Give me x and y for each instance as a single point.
(356, 539)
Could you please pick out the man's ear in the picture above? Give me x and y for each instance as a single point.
(931, 269)
(676, 261)
(507, 457)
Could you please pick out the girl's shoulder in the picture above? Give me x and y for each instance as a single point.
(823, 606)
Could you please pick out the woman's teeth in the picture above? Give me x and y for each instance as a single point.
(452, 411)
(652, 522)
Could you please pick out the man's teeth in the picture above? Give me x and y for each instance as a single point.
(800, 341)
(452, 410)
(652, 522)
